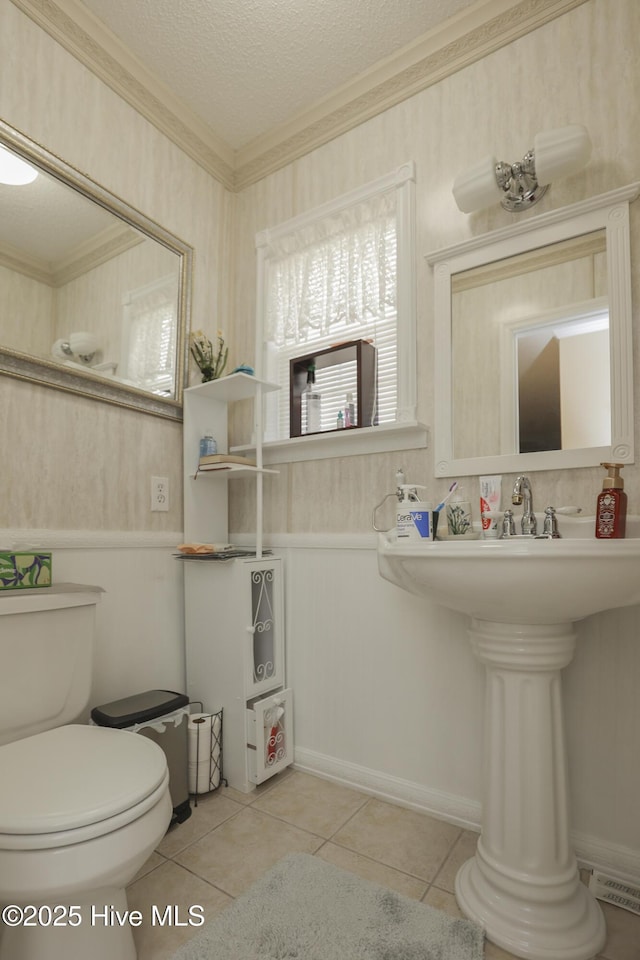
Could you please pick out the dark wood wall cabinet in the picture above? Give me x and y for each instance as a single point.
(363, 387)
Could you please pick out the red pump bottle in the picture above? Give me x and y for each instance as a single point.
(611, 507)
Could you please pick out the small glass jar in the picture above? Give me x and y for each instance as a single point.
(208, 445)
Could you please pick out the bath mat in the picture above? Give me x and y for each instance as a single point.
(306, 909)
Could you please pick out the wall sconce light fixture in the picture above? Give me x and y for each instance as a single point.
(555, 154)
(81, 347)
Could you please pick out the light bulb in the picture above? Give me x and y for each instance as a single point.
(477, 187)
(84, 346)
(560, 152)
(14, 171)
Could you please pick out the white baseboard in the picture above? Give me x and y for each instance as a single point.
(458, 810)
(621, 862)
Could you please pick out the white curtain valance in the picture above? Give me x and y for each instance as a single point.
(150, 314)
(333, 273)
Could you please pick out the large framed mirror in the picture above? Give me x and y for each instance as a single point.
(533, 343)
(94, 296)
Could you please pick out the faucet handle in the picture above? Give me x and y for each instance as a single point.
(508, 525)
(550, 526)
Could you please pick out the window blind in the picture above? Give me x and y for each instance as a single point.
(151, 324)
(332, 281)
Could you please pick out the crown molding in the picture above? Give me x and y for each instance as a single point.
(109, 243)
(460, 41)
(11, 258)
(76, 28)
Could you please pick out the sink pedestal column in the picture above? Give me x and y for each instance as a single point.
(522, 885)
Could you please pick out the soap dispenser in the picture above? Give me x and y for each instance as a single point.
(611, 507)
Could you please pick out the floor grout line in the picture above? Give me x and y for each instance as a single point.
(447, 855)
(614, 950)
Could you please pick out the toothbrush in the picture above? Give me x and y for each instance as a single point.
(453, 487)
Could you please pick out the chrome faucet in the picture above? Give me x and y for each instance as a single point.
(522, 494)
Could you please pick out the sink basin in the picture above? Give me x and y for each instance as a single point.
(523, 595)
(520, 580)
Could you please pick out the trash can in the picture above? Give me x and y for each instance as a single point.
(162, 716)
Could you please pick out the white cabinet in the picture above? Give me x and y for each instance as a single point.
(234, 612)
(234, 609)
(269, 731)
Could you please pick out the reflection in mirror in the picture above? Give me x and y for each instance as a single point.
(533, 343)
(563, 396)
(530, 318)
(94, 297)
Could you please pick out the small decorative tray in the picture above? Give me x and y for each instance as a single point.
(214, 551)
(203, 549)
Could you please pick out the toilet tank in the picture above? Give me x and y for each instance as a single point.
(46, 653)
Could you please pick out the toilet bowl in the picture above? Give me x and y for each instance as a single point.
(81, 810)
(81, 807)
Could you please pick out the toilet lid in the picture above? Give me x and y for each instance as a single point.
(75, 775)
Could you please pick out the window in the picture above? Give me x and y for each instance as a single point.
(149, 335)
(344, 271)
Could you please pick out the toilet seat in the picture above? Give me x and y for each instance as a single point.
(75, 782)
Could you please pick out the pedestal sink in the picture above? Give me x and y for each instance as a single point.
(523, 597)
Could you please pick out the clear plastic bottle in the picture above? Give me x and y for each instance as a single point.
(350, 412)
(312, 403)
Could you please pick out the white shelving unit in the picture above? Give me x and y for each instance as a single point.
(234, 609)
(206, 408)
(234, 469)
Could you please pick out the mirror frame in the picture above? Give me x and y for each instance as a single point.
(608, 211)
(47, 372)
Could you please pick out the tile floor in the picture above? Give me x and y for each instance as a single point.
(232, 839)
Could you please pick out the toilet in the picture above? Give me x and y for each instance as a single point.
(81, 807)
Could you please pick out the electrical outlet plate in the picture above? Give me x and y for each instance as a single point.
(159, 493)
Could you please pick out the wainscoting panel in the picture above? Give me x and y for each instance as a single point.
(388, 698)
(140, 633)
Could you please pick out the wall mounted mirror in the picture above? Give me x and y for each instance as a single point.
(94, 296)
(533, 343)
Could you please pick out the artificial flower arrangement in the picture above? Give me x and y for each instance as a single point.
(210, 362)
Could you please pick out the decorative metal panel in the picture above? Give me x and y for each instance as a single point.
(270, 736)
(264, 625)
(275, 741)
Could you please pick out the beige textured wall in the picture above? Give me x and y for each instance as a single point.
(582, 67)
(69, 462)
(93, 301)
(21, 297)
(478, 316)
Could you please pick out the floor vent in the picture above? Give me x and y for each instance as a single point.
(614, 891)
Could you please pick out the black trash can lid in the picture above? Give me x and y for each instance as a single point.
(139, 708)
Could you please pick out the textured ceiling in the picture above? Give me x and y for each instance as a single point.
(247, 66)
(47, 220)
